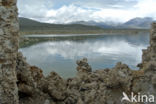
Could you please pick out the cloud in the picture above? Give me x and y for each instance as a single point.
(107, 3)
(68, 14)
(31, 8)
(71, 50)
(97, 10)
(146, 8)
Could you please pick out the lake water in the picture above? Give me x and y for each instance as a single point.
(59, 53)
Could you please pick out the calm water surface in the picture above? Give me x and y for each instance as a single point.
(103, 51)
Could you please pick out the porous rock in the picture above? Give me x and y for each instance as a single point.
(21, 83)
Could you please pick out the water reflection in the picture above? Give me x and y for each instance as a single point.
(101, 51)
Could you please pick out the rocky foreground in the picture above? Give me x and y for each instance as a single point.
(88, 87)
(21, 83)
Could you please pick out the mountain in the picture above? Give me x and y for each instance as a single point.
(106, 25)
(135, 23)
(89, 23)
(28, 26)
(139, 22)
(28, 22)
(25, 22)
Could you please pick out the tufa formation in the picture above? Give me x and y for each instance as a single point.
(9, 35)
(21, 83)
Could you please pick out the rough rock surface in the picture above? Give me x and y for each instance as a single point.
(8, 51)
(149, 55)
(21, 83)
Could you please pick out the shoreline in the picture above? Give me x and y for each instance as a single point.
(103, 31)
(69, 35)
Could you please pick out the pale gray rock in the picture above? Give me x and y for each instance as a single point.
(9, 30)
(21, 83)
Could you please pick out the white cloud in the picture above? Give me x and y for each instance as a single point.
(106, 3)
(68, 14)
(33, 8)
(73, 12)
(146, 8)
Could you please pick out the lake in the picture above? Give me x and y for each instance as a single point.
(59, 52)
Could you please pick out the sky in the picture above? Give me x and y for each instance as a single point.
(66, 11)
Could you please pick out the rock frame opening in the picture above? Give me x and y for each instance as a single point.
(21, 83)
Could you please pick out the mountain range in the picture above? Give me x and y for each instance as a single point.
(29, 26)
(136, 23)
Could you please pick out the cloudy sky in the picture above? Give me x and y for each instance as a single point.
(65, 11)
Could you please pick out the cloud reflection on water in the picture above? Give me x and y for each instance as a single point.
(62, 55)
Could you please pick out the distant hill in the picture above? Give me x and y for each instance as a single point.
(138, 23)
(32, 26)
(29, 26)
(27, 22)
(106, 25)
